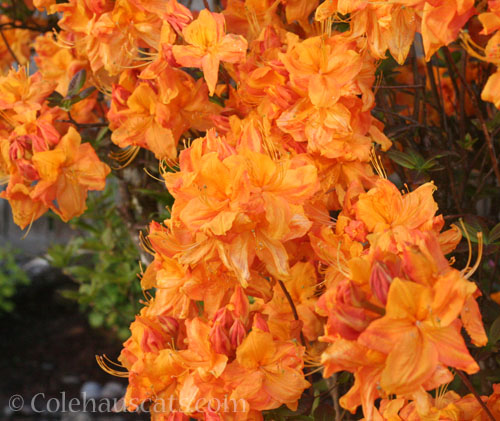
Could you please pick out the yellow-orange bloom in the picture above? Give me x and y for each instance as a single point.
(208, 45)
(67, 173)
(419, 331)
(267, 373)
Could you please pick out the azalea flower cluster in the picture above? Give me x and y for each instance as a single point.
(42, 159)
(287, 250)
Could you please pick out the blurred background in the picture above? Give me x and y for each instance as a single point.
(68, 292)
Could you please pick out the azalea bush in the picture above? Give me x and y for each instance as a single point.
(314, 186)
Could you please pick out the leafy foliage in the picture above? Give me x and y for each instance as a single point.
(12, 276)
(103, 261)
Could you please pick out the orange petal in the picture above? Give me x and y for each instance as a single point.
(473, 322)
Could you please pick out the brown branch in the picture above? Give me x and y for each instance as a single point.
(332, 382)
(12, 25)
(438, 104)
(401, 116)
(8, 47)
(207, 6)
(294, 310)
(418, 79)
(438, 98)
(414, 86)
(475, 103)
(71, 120)
(469, 386)
(83, 125)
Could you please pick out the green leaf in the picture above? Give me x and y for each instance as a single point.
(82, 95)
(96, 319)
(54, 99)
(494, 333)
(324, 412)
(468, 142)
(413, 160)
(494, 122)
(403, 159)
(216, 100)
(65, 104)
(76, 83)
(471, 231)
(344, 377)
(70, 295)
(107, 238)
(494, 234)
(100, 135)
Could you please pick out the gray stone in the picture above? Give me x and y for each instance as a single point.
(70, 379)
(91, 390)
(36, 266)
(76, 416)
(113, 390)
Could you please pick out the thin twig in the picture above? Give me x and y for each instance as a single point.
(82, 125)
(469, 386)
(8, 47)
(334, 393)
(12, 25)
(294, 310)
(414, 86)
(418, 80)
(207, 6)
(438, 98)
(475, 103)
(403, 117)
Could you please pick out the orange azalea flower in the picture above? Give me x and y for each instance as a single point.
(445, 406)
(323, 69)
(419, 331)
(148, 132)
(338, 132)
(178, 287)
(366, 364)
(6, 166)
(334, 248)
(25, 210)
(199, 353)
(496, 297)
(491, 90)
(67, 173)
(384, 207)
(240, 204)
(392, 219)
(154, 115)
(442, 21)
(332, 115)
(208, 45)
(49, 5)
(386, 25)
(19, 41)
(491, 19)
(266, 373)
(108, 33)
(473, 322)
(299, 10)
(250, 17)
(22, 93)
(348, 310)
(170, 298)
(56, 63)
